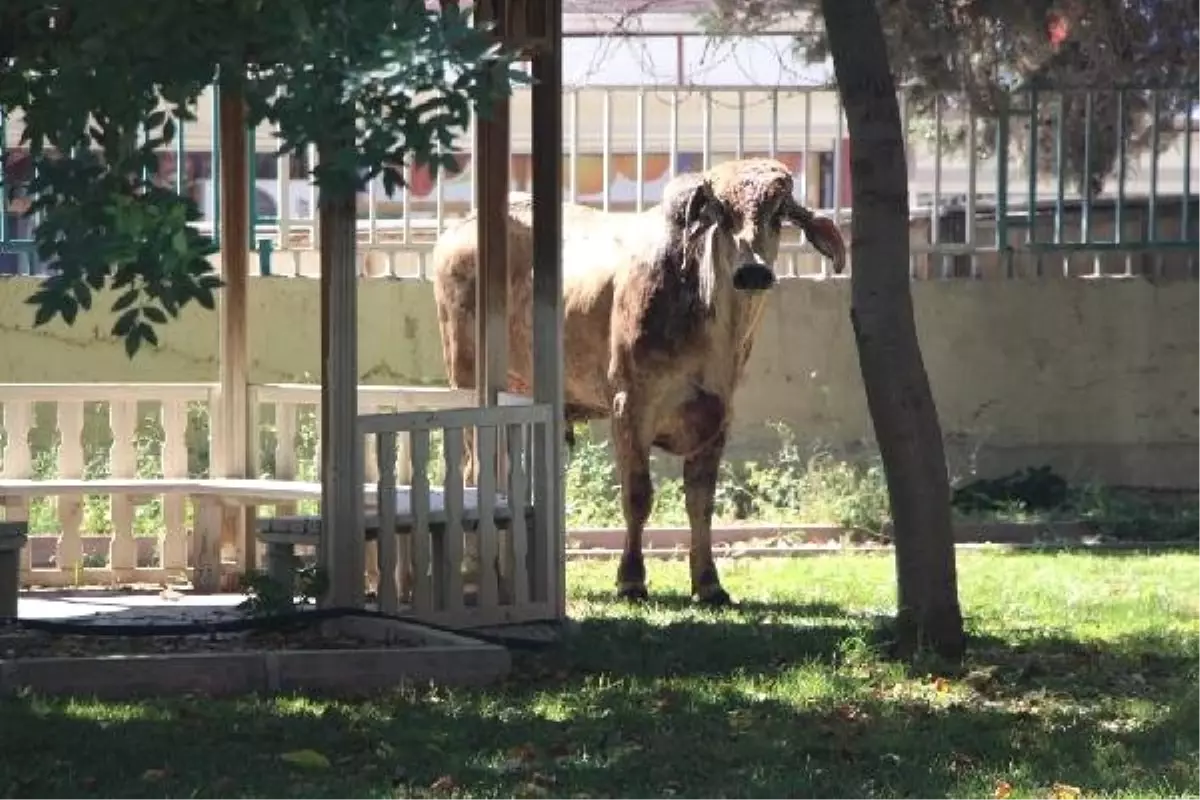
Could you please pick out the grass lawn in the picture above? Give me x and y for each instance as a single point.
(1082, 678)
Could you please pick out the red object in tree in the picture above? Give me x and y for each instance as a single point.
(1057, 29)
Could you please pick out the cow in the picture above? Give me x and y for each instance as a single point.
(660, 313)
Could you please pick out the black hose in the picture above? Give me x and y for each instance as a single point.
(289, 620)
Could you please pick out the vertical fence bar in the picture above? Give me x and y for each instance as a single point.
(839, 131)
(935, 226)
(673, 145)
(1032, 158)
(606, 148)
(640, 149)
(373, 212)
(806, 144)
(283, 188)
(406, 207)
(741, 124)
(837, 173)
(214, 190)
(706, 129)
(439, 198)
(252, 186)
(1060, 174)
(573, 148)
(1155, 141)
(1000, 206)
(1122, 176)
(1085, 224)
(902, 101)
(3, 170)
(1185, 223)
(180, 156)
(969, 227)
(773, 132)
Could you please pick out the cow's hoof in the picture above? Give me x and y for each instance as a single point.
(633, 592)
(713, 597)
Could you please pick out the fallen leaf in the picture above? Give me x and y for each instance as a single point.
(1064, 791)
(530, 789)
(1003, 790)
(170, 594)
(941, 685)
(444, 784)
(309, 759)
(154, 774)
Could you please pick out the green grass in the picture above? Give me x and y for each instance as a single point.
(1083, 672)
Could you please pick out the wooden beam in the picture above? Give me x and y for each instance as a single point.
(491, 162)
(342, 549)
(232, 417)
(548, 357)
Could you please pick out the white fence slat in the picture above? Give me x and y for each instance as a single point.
(453, 538)
(385, 466)
(70, 465)
(123, 421)
(174, 465)
(485, 438)
(422, 592)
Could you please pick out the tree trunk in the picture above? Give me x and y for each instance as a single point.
(889, 355)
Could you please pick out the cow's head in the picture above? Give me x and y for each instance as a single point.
(702, 227)
(758, 200)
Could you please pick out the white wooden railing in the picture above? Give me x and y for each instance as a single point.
(465, 556)
(131, 431)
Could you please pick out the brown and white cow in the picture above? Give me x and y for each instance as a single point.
(660, 313)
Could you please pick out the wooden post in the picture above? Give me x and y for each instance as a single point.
(491, 165)
(342, 549)
(546, 136)
(232, 418)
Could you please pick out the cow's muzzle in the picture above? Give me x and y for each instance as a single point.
(752, 273)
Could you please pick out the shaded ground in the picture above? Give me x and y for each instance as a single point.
(1083, 673)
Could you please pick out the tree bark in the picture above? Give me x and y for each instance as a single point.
(898, 394)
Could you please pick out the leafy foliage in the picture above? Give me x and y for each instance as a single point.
(971, 55)
(103, 86)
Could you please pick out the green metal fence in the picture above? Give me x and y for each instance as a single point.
(1037, 207)
(1084, 135)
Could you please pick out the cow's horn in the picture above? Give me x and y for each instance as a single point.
(821, 231)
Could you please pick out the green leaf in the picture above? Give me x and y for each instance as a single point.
(132, 343)
(125, 323)
(45, 312)
(126, 300)
(155, 315)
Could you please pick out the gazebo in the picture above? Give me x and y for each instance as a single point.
(533, 28)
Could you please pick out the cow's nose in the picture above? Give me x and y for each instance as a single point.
(753, 277)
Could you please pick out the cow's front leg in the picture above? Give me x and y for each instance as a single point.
(700, 471)
(637, 496)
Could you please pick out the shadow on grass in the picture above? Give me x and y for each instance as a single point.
(768, 700)
(581, 738)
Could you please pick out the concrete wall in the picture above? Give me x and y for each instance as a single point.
(1098, 378)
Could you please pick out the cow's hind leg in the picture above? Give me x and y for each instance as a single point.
(700, 471)
(637, 498)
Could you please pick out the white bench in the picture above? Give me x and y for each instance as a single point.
(216, 502)
(424, 534)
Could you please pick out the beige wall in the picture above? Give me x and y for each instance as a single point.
(1098, 378)
(398, 338)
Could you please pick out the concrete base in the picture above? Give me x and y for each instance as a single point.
(444, 658)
